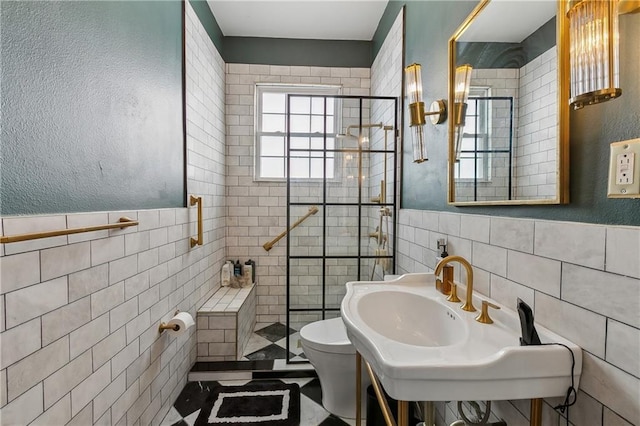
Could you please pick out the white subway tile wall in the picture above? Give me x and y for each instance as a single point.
(81, 341)
(537, 128)
(386, 80)
(256, 210)
(593, 307)
(225, 323)
(494, 181)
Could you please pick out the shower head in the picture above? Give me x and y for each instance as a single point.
(345, 136)
(347, 132)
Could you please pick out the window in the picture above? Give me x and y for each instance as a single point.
(310, 125)
(474, 158)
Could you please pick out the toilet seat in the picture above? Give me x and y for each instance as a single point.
(327, 336)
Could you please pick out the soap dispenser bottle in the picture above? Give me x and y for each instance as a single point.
(225, 274)
(444, 285)
(442, 249)
(251, 266)
(237, 269)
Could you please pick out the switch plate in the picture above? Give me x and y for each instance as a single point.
(624, 169)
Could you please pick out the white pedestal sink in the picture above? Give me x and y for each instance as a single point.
(423, 348)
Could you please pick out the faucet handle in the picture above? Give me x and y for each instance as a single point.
(453, 297)
(484, 317)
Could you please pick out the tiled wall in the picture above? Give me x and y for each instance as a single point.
(225, 324)
(503, 83)
(257, 209)
(80, 343)
(582, 280)
(386, 80)
(536, 153)
(534, 90)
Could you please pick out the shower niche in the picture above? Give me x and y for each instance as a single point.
(353, 167)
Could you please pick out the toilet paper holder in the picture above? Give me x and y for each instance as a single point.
(166, 326)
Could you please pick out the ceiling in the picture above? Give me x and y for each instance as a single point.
(509, 21)
(308, 19)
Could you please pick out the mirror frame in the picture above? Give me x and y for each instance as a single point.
(562, 158)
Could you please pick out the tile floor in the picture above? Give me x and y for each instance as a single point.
(267, 343)
(187, 407)
(270, 342)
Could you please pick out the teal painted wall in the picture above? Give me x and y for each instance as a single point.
(428, 28)
(203, 11)
(386, 22)
(304, 52)
(92, 115)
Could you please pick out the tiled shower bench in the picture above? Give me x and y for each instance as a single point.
(225, 324)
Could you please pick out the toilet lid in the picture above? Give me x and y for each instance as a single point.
(327, 336)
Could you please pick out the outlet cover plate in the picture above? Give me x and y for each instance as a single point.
(624, 169)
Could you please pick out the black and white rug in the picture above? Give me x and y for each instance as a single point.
(193, 399)
(260, 403)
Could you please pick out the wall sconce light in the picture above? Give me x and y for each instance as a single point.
(461, 94)
(593, 51)
(437, 111)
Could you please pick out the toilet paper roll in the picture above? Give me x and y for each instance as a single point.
(183, 320)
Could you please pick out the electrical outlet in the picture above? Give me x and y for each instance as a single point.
(624, 169)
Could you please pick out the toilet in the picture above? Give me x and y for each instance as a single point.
(327, 347)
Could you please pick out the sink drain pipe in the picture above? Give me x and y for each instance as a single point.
(481, 419)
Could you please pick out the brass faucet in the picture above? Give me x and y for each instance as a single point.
(468, 303)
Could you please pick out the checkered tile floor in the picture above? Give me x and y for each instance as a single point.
(186, 408)
(270, 342)
(267, 343)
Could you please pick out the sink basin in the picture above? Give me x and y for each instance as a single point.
(423, 348)
(413, 322)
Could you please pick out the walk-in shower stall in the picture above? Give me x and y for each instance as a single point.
(341, 200)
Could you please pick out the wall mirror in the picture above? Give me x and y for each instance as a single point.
(514, 135)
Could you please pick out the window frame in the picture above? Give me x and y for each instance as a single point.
(289, 89)
(484, 137)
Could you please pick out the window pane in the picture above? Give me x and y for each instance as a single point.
(330, 106)
(470, 124)
(273, 102)
(317, 124)
(317, 143)
(466, 168)
(272, 167)
(468, 144)
(316, 168)
(471, 107)
(317, 106)
(331, 143)
(480, 167)
(300, 105)
(330, 168)
(272, 146)
(300, 123)
(330, 124)
(273, 123)
(299, 143)
(299, 167)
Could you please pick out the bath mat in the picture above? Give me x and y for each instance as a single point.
(265, 403)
